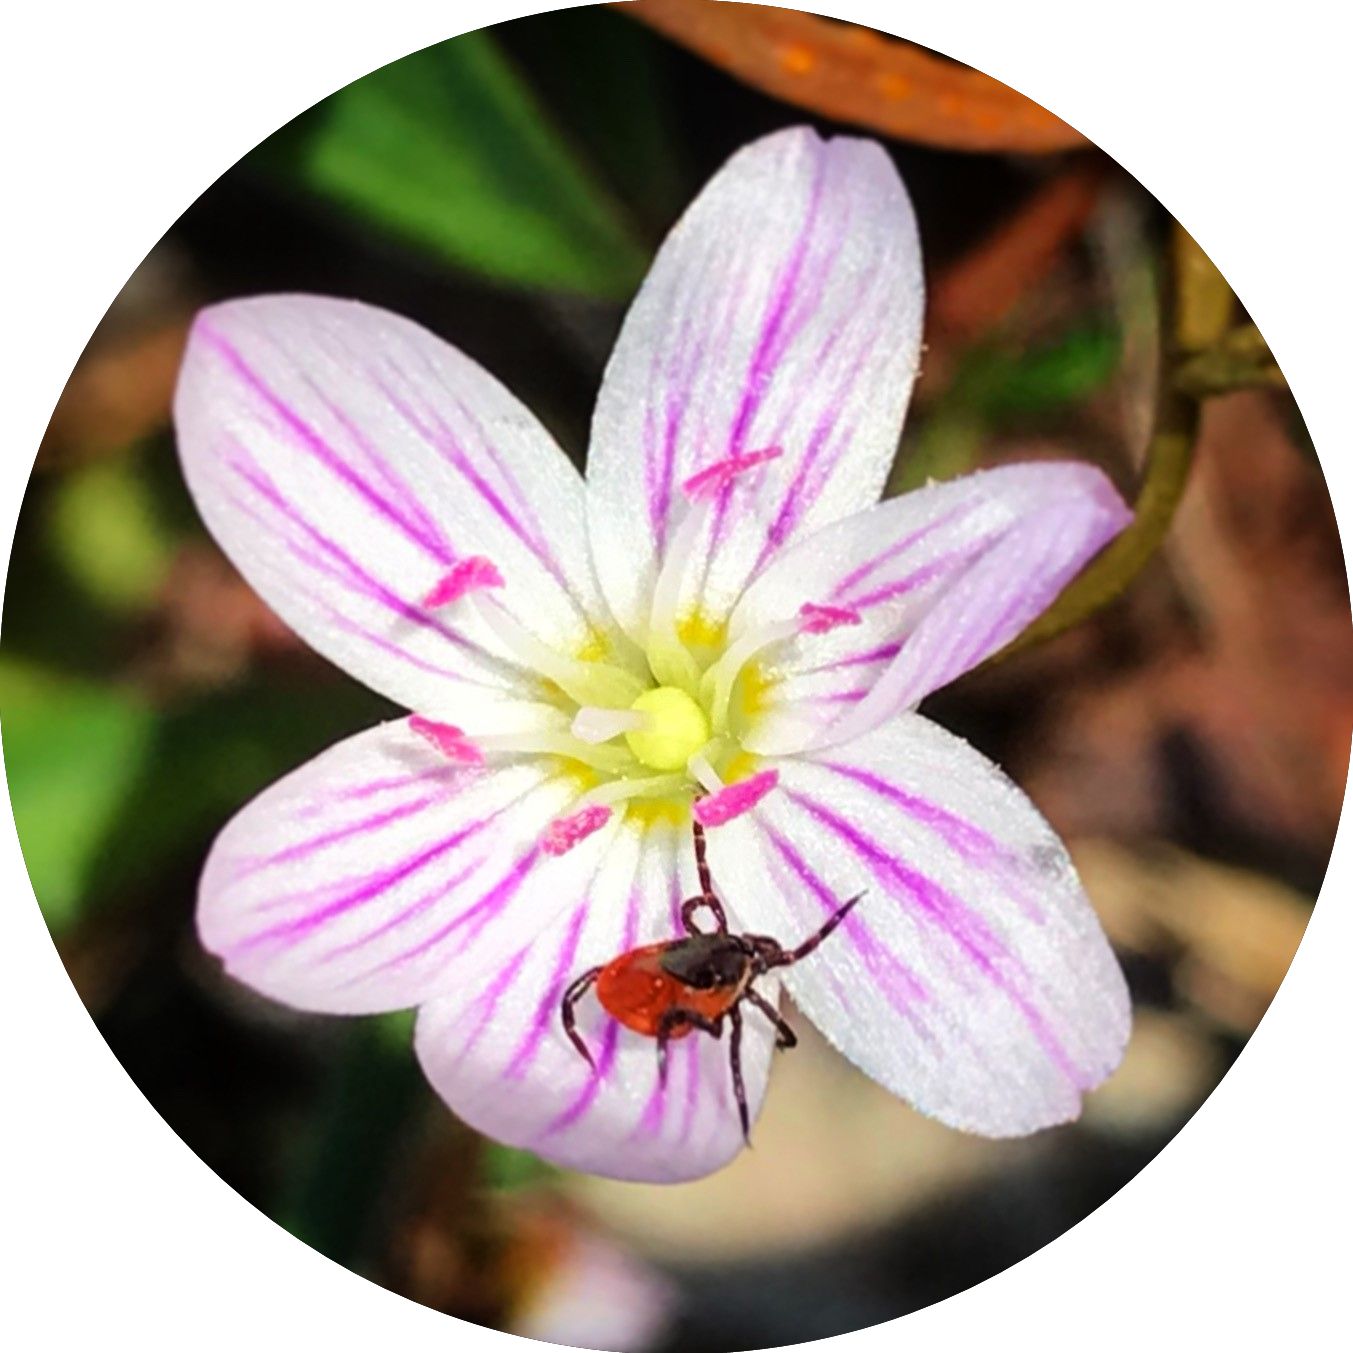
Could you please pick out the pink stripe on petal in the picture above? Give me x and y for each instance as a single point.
(942, 576)
(336, 888)
(547, 1011)
(524, 1082)
(317, 447)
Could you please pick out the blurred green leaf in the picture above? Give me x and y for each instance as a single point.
(343, 1173)
(72, 751)
(106, 532)
(995, 385)
(509, 1167)
(209, 756)
(604, 78)
(1000, 383)
(449, 149)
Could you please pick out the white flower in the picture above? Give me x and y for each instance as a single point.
(724, 602)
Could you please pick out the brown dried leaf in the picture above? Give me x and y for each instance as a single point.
(855, 75)
(1232, 933)
(1257, 674)
(119, 393)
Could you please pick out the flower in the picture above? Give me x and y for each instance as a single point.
(723, 609)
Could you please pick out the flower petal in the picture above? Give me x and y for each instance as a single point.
(345, 458)
(972, 978)
(940, 578)
(784, 311)
(495, 1050)
(351, 884)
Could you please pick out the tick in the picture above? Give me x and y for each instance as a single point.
(669, 990)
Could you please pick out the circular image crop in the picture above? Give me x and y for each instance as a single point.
(676, 677)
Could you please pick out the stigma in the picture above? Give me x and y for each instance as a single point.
(674, 729)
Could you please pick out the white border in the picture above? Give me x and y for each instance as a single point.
(116, 116)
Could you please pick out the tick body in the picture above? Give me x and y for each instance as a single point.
(670, 990)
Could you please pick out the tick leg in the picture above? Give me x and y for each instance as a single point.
(701, 863)
(785, 1037)
(571, 996)
(693, 904)
(812, 942)
(706, 897)
(675, 1020)
(735, 1061)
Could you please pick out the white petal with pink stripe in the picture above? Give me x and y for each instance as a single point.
(939, 579)
(346, 459)
(371, 877)
(783, 312)
(973, 978)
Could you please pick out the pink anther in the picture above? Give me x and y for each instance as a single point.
(822, 619)
(565, 832)
(449, 740)
(467, 575)
(713, 479)
(733, 800)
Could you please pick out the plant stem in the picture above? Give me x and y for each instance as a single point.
(1201, 307)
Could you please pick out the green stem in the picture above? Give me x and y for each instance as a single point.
(1201, 307)
(1168, 457)
(1240, 361)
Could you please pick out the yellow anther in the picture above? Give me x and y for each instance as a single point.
(676, 729)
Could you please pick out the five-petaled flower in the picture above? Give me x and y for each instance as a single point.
(722, 609)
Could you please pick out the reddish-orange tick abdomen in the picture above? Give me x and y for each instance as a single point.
(637, 990)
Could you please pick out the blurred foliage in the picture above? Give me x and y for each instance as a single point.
(998, 385)
(208, 755)
(73, 750)
(506, 1167)
(342, 1165)
(106, 531)
(450, 150)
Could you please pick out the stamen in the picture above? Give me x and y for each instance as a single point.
(449, 740)
(713, 479)
(640, 787)
(733, 800)
(594, 725)
(588, 683)
(668, 658)
(454, 744)
(812, 618)
(700, 768)
(470, 574)
(823, 619)
(566, 832)
(608, 760)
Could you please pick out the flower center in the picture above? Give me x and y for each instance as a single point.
(675, 728)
